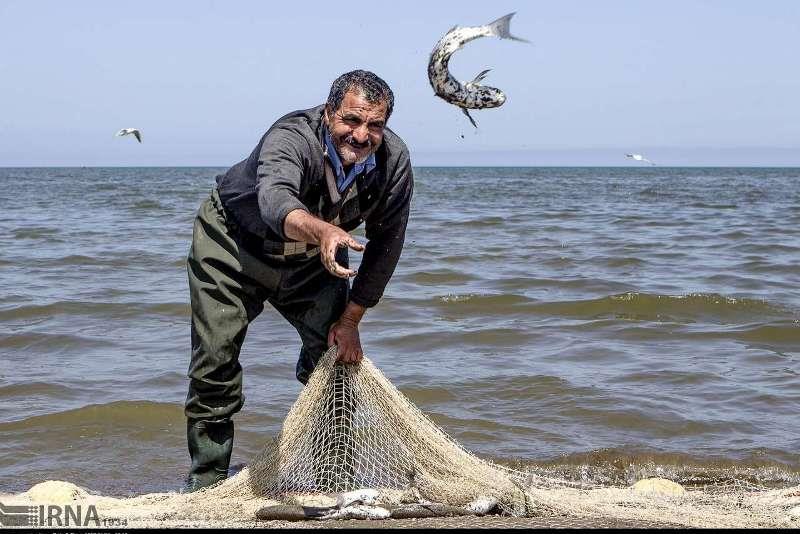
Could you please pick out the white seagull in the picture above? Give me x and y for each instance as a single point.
(127, 131)
(639, 157)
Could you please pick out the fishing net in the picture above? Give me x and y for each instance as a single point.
(351, 430)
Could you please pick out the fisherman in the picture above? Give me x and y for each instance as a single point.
(276, 229)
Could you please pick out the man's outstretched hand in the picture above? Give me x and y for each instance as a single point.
(302, 226)
(332, 239)
(344, 334)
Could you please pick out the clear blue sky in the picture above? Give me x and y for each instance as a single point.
(685, 82)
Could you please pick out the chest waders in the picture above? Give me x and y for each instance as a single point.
(228, 286)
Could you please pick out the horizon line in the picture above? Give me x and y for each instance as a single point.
(752, 166)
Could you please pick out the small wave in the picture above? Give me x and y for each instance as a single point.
(771, 268)
(622, 261)
(99, 309)
(665, 378)
(428, 395)
(29, 389)
(765, 249)
(482, 222)
(458, 258)
(667, 426)
(46, 342)
(558, 263)
(122, 261)
(79, 259)
(623, 467)
(119, 414)
(787, 332)
(633, 218)
(424, 340)
(735, 235)
(440, 276)
(689, 308)
(459, 305)
(514, 388)
(270, 367)
(146, 205)
(468, 422)
(497, 337)
(482, 299)
(713, 206)
(167, 380)
(681, 308)
(171, 309)
(35, 232)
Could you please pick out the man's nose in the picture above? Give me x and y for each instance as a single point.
(361, 133)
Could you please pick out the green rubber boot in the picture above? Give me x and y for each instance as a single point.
(210, 447)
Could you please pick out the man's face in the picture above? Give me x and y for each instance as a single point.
(356, 127)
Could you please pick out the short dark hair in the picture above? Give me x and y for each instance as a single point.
(372, 87)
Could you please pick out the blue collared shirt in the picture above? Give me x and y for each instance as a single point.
(343, 180)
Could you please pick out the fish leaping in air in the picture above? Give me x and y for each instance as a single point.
(468, 95)
(127, 131)
(638, 157)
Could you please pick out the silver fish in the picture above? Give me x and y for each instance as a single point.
(367, 496)
(468, 95)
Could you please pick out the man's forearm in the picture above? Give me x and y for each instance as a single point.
(352, 314)
(300, 225)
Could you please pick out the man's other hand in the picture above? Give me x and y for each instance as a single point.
(344, 334)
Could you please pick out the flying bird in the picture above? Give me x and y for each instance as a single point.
(638, 157)
(466, 95)
(128, 131)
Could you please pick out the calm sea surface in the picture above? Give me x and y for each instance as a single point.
(595, 323)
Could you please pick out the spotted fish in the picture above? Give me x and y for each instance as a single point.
(469, 95)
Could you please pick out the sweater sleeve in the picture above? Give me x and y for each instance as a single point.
(385, 231)
(279, 176)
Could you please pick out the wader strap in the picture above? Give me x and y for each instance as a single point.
(330, 179)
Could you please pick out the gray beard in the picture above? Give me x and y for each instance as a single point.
(365, 158)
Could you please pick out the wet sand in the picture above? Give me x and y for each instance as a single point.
(163, 510)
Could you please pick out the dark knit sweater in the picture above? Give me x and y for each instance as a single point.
(286, 171)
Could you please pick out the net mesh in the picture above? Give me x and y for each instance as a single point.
(351, 429)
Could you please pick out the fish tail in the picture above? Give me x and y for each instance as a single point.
(502, 28)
